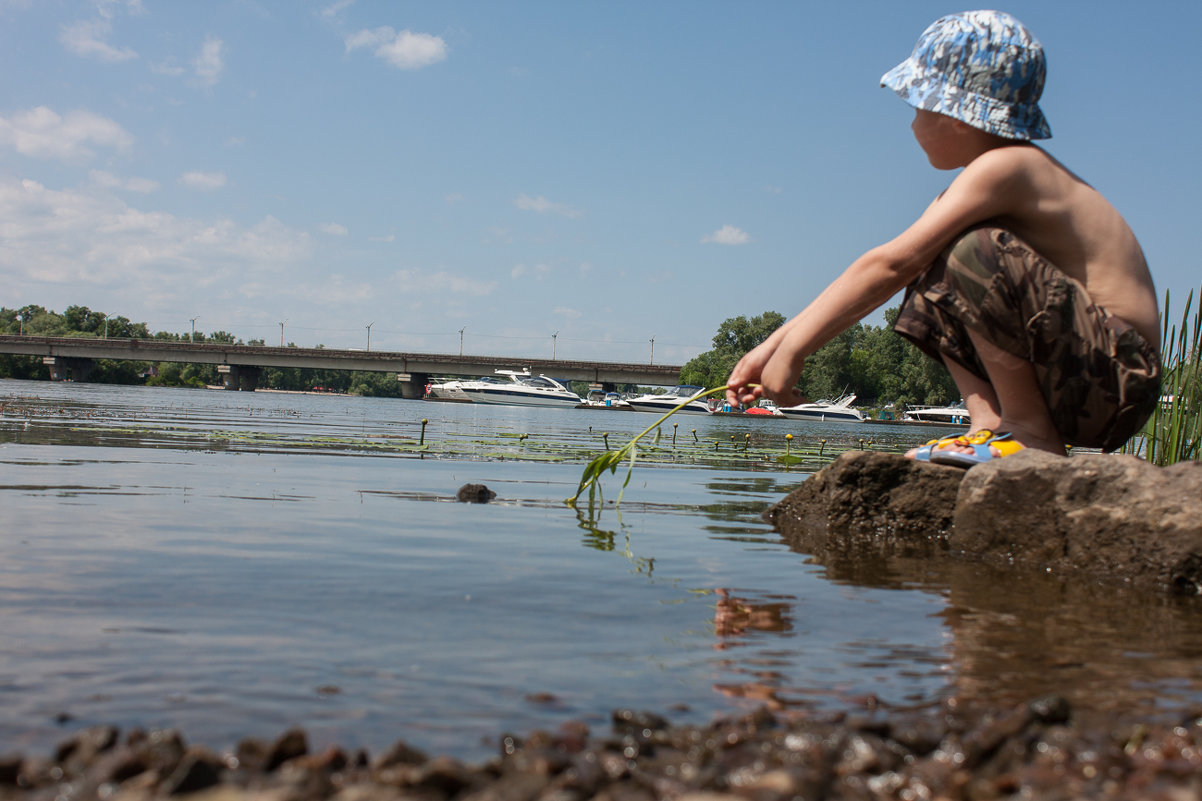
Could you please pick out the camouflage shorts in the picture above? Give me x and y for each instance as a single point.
(1100, 379)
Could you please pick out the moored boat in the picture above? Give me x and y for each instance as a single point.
(667, 401)
(522, 389)
(953, 414)
(600, 399)
(838, 410)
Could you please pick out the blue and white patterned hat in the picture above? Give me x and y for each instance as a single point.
(981, 67)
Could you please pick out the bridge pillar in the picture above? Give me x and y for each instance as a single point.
(239, 377)
(413, 385)
(68, 368)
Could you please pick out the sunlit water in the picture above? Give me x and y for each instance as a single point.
(232, 564)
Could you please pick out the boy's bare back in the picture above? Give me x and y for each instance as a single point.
(1076, 229)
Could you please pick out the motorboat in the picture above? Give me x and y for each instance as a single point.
(954, 414)
(600, 399)
(522, 389)
(667, 401)
(838, 410)
(446, 391)
(765, 407)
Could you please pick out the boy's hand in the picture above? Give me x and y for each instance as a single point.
(772, 373)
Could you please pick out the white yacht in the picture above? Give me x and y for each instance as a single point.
(838, 410)
(954, 414)
(667, 401)
(522, 389)
(446, 391)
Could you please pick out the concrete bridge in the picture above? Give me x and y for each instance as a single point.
(71, 358)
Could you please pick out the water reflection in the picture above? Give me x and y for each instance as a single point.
(602, 539)
(1015, 634)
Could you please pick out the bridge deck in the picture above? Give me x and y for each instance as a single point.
(154, 350)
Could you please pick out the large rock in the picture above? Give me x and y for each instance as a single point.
(879, 502)
(1115, 516)
(1108, 516)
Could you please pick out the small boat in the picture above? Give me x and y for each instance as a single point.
(446, 391)
(667, 401)
(522, 389)
(766, 407)
(600, 399)
(954, 414)
(838, 410)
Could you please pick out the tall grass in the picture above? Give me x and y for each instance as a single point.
(1174, 432)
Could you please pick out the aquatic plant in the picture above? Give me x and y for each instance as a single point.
(1174, 432)
(611, 459)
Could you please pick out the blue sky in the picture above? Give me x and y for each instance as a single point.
(576, 178)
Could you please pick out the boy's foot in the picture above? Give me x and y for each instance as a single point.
(976, 448)
(923, 452)
(984, 445)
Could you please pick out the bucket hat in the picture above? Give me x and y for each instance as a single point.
(983, 68)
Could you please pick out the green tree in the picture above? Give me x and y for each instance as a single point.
(736, 336)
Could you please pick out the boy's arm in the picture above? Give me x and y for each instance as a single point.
(990, 186)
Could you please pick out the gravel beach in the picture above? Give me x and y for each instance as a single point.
(1031, 751)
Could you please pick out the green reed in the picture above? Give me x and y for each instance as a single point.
(1174, 432)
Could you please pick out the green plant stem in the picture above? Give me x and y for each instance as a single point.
(611, 459)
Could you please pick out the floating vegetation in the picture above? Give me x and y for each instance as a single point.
(32, 421)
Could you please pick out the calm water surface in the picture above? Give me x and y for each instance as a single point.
(232, 564)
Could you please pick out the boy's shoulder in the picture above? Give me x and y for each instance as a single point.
(1020, 159)
(1020, 177)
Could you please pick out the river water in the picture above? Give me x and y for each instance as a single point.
(233, 564)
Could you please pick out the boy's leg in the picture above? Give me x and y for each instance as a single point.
(1061, 369)
(979, 398)
(1022, 411)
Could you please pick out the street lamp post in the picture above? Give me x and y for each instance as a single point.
(652, 351)
(192, 336)
(461, 340)
(553, 338)
(282, 331)
(369, 325)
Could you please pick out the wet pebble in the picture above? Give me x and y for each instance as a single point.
(1032, 751)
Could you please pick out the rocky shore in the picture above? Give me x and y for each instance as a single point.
(1106, 519)
(1032, 751)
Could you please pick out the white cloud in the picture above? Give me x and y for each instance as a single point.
(168, 68)
(333, 229)
(210, 62)
(567, 313)
(86, 38)
(67, 236)
(543, 206)
(336, 8)
(727, 235)
(402, 49)
(538, 271)
(105, 7)
(109, 181)
(203, 181)
(44, 134)
(442, 281)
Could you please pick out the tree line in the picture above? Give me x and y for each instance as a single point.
(80, 321)
(873, 362)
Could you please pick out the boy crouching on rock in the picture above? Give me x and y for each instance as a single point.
(1020, 276)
